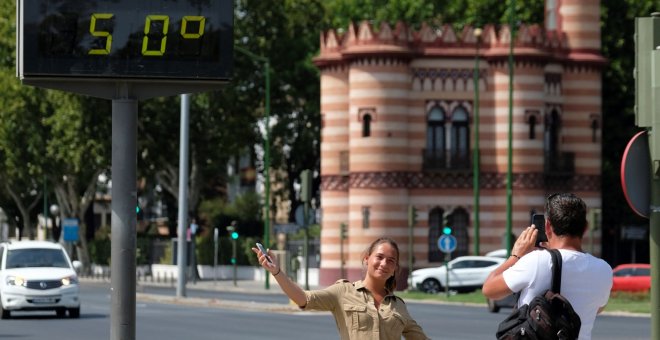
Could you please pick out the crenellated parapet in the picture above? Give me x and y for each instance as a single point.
(532, 42)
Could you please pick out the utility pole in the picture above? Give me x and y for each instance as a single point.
(306, 197)
(475, 153)
(509, 172)
(412, 220)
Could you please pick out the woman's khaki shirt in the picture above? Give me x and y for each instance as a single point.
(357, 317)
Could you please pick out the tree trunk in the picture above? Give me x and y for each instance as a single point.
(73, 204)
(25, 211)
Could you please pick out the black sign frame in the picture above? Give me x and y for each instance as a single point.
(126, 32)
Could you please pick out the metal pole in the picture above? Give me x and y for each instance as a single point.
(233, 254)
(267, 162)
(410, 252)
(342, 231)
(509, 177)
(475, 154)
(654, 218)
(124, 219)
(306, 244)
(447, 274)
(183, 195)
(45, 207)
(215, 255)
(654, 252)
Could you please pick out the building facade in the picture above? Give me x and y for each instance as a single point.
(399, 109)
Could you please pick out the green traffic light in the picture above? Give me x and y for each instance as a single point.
(233, 260)
(446, 230)
(137, 209)
(234, 235)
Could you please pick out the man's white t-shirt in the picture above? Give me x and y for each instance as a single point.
(585, 281)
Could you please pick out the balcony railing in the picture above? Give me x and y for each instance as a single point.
(439, 160)
(559, 164)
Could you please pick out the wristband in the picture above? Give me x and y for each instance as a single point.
(278, 271)
(516, 256)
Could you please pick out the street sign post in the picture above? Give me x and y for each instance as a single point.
(647, 115)
(447, 244)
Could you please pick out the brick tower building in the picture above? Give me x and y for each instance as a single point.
(398, 130)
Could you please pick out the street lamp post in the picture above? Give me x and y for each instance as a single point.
(55, 232)
(4, 228)
(266, 62)
(475, 154)
(509, 175)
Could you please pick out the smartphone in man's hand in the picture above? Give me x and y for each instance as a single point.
(538, 220)
(263, 251)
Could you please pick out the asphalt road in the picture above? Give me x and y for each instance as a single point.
(242, 315)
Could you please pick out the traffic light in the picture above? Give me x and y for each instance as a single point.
(138, 212)
(412, 216)
(644, 45)
(305, 186)
(343, 231)
(234, 235)
(446, 225)
(647, 62)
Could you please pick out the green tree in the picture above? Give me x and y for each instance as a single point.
(22, 146)
(79, 150)
(7, 33)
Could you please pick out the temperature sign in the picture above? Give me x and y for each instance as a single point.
(163, 39)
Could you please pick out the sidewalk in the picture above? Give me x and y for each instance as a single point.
(242, 286)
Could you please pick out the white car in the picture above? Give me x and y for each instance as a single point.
(37, 275)
(466, 273)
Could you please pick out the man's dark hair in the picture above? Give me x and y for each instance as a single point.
(567, 213)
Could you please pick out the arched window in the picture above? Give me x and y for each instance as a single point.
(552, 130)
(460, 139)
(595, 126)
(436, 216)
(435, 133)
(366, 125)
(459, 221)
(532, 127)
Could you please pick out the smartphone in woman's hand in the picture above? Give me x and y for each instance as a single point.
(263, 251)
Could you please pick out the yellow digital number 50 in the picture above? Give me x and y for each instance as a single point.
(147, 29)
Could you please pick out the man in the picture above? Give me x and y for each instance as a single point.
(586, 280)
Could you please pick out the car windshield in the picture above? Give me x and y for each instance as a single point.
(36, 257)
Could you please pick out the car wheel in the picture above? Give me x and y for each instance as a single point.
(74, 313)
(431, 286)
(4, 313)
(492, 306)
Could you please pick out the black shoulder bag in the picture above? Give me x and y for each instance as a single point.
(548, 316)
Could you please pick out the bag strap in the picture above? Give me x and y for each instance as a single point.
(556, 270)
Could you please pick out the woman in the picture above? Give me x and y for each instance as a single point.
(365, 309)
